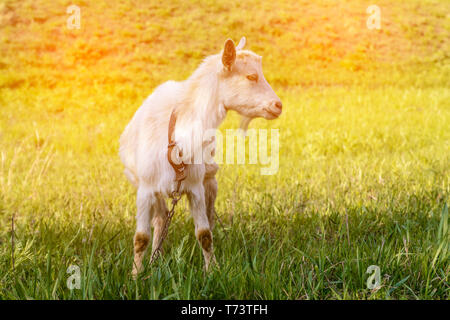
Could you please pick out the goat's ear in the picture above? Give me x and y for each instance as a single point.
(229, 54)
(241, 44)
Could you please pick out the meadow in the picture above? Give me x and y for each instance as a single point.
(364, 160)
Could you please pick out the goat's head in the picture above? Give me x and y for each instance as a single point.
(243, 87)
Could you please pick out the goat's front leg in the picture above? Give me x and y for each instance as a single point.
(144, 201)
(210, 185)
(202, 227)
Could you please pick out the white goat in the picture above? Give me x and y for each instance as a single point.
(232, 80)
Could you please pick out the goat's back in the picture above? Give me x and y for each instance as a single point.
(145, 136)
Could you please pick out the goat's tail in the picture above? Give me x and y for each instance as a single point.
(131, 177)
(127, 154)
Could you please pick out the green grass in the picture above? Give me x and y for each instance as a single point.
(364, 151)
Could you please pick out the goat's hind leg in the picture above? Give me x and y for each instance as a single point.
(159, 218)
(145, 200)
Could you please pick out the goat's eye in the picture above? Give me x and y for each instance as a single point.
(252, 77)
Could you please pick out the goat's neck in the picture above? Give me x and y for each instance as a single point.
(204, 108)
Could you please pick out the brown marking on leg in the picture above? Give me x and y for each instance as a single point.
(141, 241)
(205, 238)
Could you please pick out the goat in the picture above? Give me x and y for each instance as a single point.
(231, 80)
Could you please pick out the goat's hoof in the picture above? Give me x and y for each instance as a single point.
(211, 265)
(214, 264)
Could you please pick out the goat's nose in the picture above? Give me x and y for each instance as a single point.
(278, 105)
